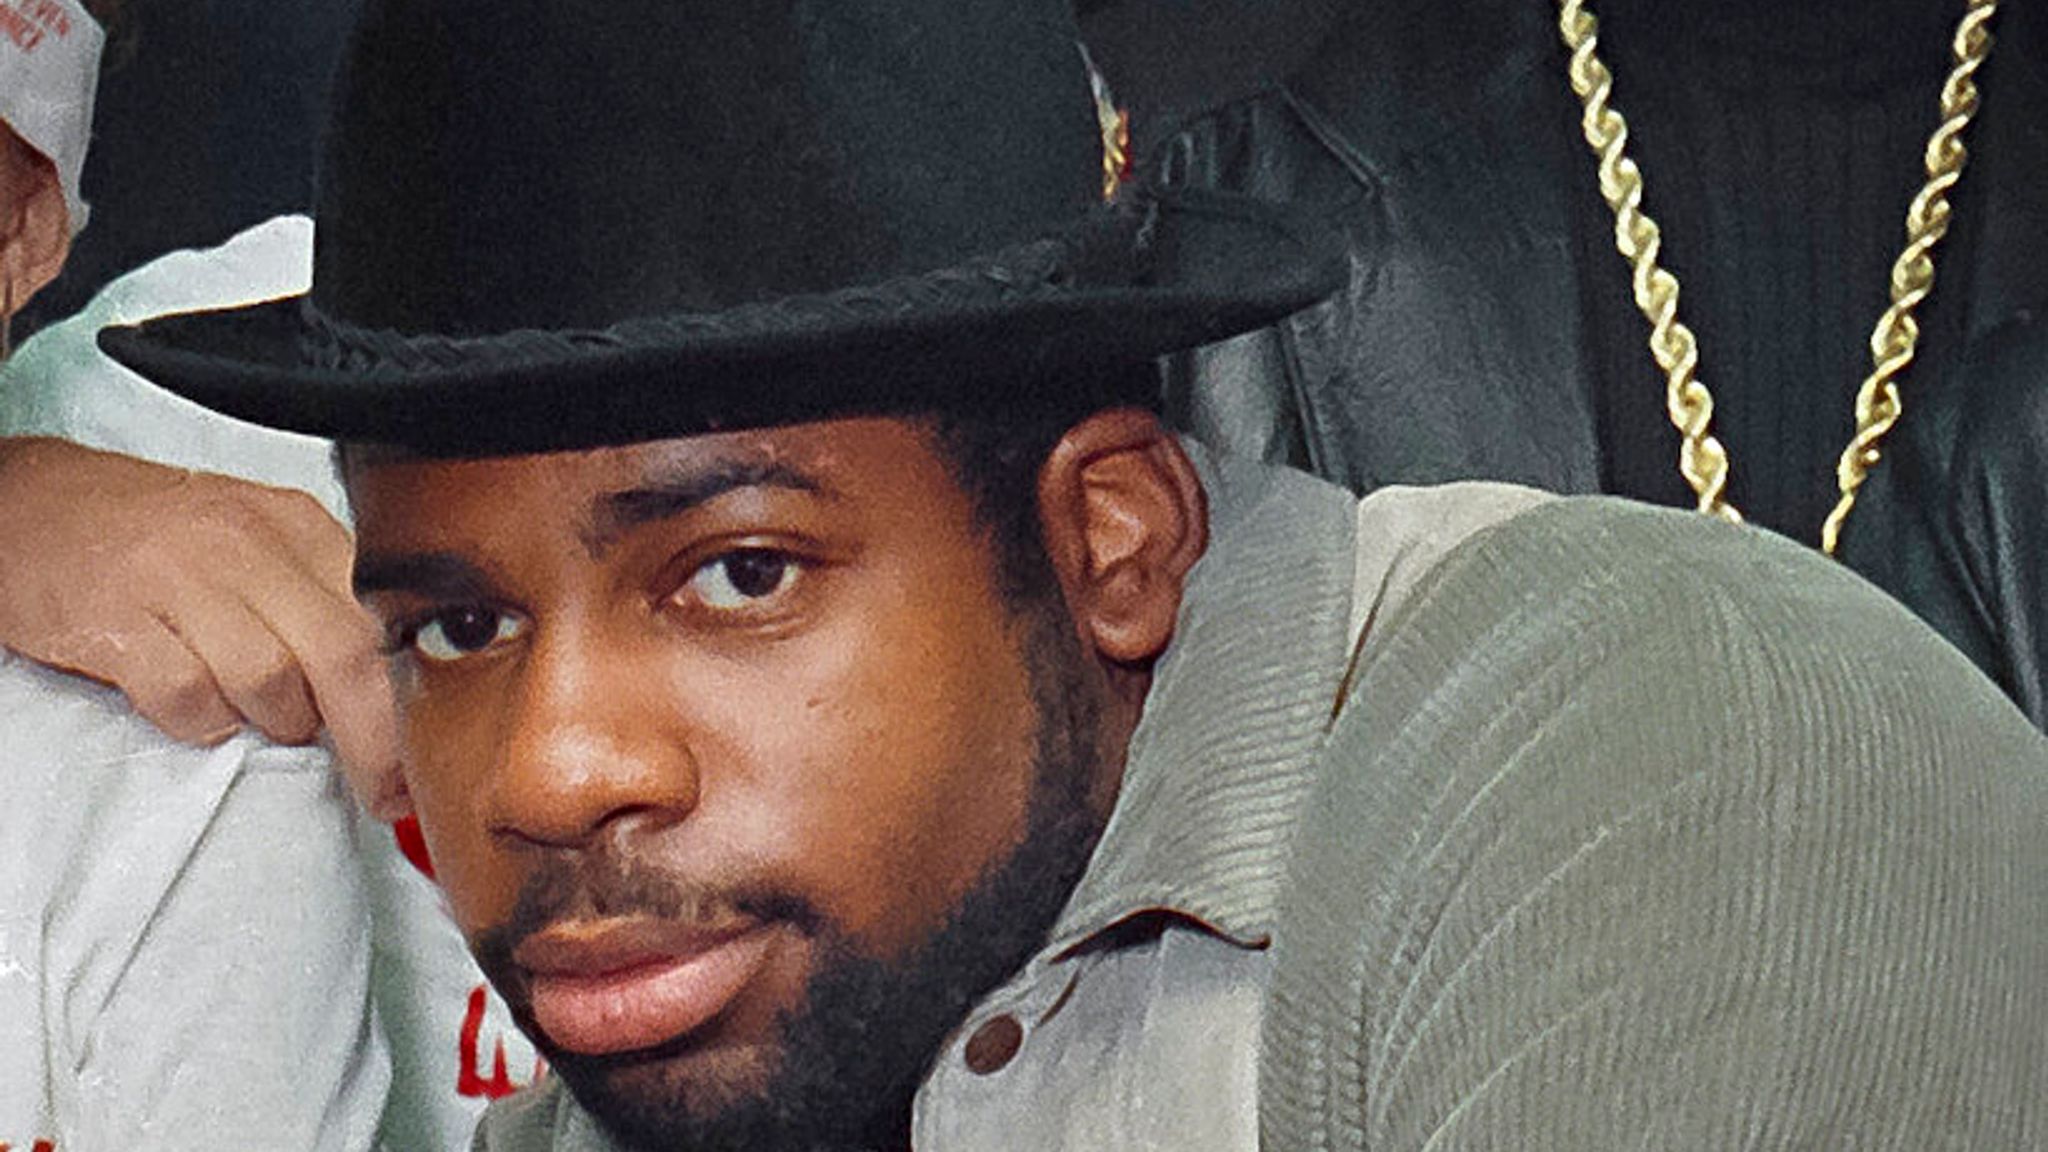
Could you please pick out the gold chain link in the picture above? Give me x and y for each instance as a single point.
(1702, 460)
(1897, 335)
(1116, 154)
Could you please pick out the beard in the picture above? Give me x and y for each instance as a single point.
(852, 1056)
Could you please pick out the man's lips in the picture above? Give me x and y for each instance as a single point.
(619, 985)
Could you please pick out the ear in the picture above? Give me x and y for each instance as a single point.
(35, 225)
(1125, 518)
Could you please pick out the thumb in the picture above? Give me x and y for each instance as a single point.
(362, 732)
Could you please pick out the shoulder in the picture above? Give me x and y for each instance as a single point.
(1604, 564)
(1671, 619)
(106, 815)
(154, 898)
(1404, 533)
(1678, 805)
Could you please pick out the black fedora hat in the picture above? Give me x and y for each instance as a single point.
(558, 223)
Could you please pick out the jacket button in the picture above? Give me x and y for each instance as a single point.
(993, 1045)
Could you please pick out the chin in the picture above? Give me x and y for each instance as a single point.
(649, 1098)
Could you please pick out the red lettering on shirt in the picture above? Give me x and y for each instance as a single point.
(469, 1079)
(48, 14)
(17, 27)
(26, 22)
(413, 843)
(38, 1146)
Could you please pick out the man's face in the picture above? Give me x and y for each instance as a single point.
(743, 776)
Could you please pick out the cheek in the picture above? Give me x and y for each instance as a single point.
(882, 760)
(444, 777)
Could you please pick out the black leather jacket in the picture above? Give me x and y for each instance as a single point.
(1444, 142)
(1959, 523)
(1429, 365)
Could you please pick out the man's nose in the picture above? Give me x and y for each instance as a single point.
(588, 743)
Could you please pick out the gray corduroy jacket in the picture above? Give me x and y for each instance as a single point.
(1467, 819)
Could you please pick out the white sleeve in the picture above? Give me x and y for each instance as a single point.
(58, 383)
(243, 1018)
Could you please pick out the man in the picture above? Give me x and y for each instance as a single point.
(200, 648)
(842, 717)
(1778, 148)
(128, 907)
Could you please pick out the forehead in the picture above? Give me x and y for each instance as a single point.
(598, 492)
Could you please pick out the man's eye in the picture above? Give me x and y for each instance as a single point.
(459, 632)
(741, 579)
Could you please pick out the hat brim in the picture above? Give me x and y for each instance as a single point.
(1219, 266)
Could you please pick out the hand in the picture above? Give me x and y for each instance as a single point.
(212, 603)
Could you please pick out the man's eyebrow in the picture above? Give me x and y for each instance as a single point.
(667, 492)
(441, 576)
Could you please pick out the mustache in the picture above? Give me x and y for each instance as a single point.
(602, 885)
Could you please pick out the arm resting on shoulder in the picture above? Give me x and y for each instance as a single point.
(209, 601)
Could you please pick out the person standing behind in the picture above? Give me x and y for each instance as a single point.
(49, 63)
(184, 937)
(224, 615)
(124, 454)
(1490, 328)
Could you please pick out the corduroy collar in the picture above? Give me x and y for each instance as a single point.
(1239, 707)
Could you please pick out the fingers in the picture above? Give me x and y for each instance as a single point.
(165, 681)
(295, 650)
(338, 651)
(311, 538)
(255, 671)
(362, 724)
(270, 644)
(207, 600)
(169, 686)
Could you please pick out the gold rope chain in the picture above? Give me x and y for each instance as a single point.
(1701, 458)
